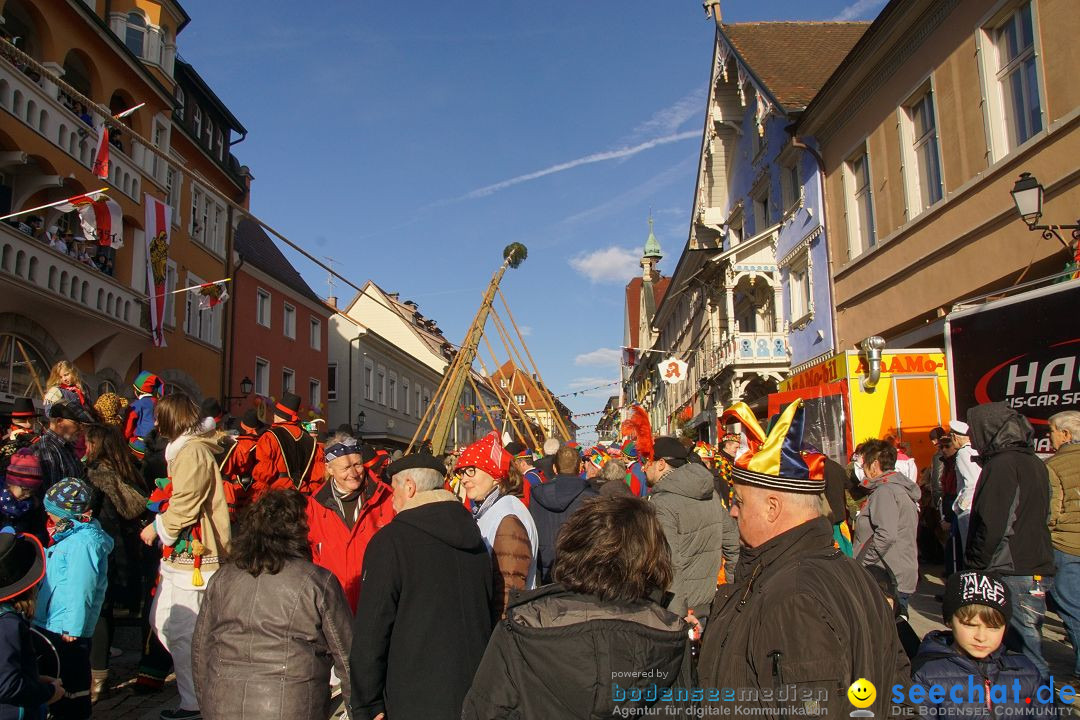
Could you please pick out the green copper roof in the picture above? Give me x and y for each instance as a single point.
(652, 248)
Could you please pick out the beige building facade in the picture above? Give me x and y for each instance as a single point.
(923, 131)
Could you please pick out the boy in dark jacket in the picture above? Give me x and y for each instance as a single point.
(969, 663)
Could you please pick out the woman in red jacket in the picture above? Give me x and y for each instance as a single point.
(344, 515)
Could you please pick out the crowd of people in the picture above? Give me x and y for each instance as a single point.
(280, 572)
(67, 242)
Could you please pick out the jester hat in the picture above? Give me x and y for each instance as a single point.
(704, 450)
(637, 427)
(148, 383)
(776, 461)
(597, 456)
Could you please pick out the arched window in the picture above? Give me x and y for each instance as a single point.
(105, 386)
(135, 35)
(179, 95)
(209, 134)
(196, 117)
(22, 368)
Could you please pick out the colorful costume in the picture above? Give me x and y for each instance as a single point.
(286, 456)
(140, 419)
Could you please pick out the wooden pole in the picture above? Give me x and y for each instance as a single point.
(30, 367)
(535, 368)
(480, 401)
(506, 402)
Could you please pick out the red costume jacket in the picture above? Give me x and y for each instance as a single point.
(272, 471)
(337, 548)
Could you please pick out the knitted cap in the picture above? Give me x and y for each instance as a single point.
(24, 470)
(68, 498)
(975, 588)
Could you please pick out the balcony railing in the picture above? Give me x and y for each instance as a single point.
(50, 112)
(31, 263)
(747, 349)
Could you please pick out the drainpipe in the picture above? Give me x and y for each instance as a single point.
(798, 143)
(871, 349)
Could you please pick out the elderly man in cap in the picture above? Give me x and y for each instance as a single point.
(345, 514)
(801, 617)
(286, 456)
(56, 445)
(424, 616)
(692, 516)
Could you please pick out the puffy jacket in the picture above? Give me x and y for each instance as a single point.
(1064, 469)
(939, 662)
(886, 528)
(692, 516)
(263, 645)
(552, 504)
(801, 613)
(1008, 532)
(561, 655)
(22, 694)
(406, 660)
(76, 574)
(334, 545)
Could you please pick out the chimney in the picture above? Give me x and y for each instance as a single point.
(332, 301)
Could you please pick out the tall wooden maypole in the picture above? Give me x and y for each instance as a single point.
(457, 374)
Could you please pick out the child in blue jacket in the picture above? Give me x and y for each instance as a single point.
(71, 596)
(24, 692)
(967, 669)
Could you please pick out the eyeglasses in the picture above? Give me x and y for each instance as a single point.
(468, 471)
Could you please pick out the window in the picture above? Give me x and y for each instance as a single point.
(135, 33)
(860, 204)
(405, 392)
(288, 380)
(369, 380)
(790, 186)
(921, 154)
(156, 163)
(761, 211)
(800, 303)
(170, 298)
(314, 393)
(209, 137)
(419, 404)
(392, 389)
(196, 119)
(262, 308)
(289, 321)
(220, 145)
(204, 324)
(503, 382)
(196, 228)
(380, 385)
(173, 183)
(1017, 100)
(178, 93)
(315, 328)
(519, 399)
(331, 382)
(262, 377)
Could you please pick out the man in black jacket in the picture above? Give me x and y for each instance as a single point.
(555, 501)
(424, 616)
(802, 621)
(1008, 532)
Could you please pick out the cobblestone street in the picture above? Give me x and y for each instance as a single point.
(122, 701)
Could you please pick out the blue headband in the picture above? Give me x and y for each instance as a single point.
(341, 449)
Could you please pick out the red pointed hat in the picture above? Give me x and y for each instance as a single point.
(488, 455)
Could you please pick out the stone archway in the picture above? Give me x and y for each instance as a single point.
(18, 335)
(182, 380)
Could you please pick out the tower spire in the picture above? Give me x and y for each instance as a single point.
(651, 255)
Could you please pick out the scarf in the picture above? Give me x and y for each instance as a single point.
(347, 500)
(490, 500)
(13, 508)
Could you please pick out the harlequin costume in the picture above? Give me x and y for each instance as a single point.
(140, 420)
(286, 456)
(637, 443)
(238, 461)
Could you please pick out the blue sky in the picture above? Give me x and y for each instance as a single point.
(412, 141)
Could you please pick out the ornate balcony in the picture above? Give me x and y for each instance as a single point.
(747, 350)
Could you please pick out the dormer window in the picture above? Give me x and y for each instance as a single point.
(135, 34)
(196, 119)
(179, 95)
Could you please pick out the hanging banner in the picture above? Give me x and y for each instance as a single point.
(158, 223)
(673, 370)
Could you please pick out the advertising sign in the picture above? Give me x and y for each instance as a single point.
(1023, 350)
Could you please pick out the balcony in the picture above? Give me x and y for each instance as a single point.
(747, 350)
(44, 108)
(30, 264)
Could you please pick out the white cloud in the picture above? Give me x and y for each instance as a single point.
(608, 265)
(526, 330)
(859, 10)
(670, 119)
(618, 154)
(600, 356)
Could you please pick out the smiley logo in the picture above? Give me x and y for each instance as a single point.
(862, 693)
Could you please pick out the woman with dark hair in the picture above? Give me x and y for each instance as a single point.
(597, 643)
(119, 501)
(273, 623)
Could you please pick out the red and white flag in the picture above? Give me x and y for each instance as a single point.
(212, 294)
(100, 217)
(101, 159)
(158, 224)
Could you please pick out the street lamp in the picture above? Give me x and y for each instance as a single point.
(360, 419)
(1027, 194)
(246, 386)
